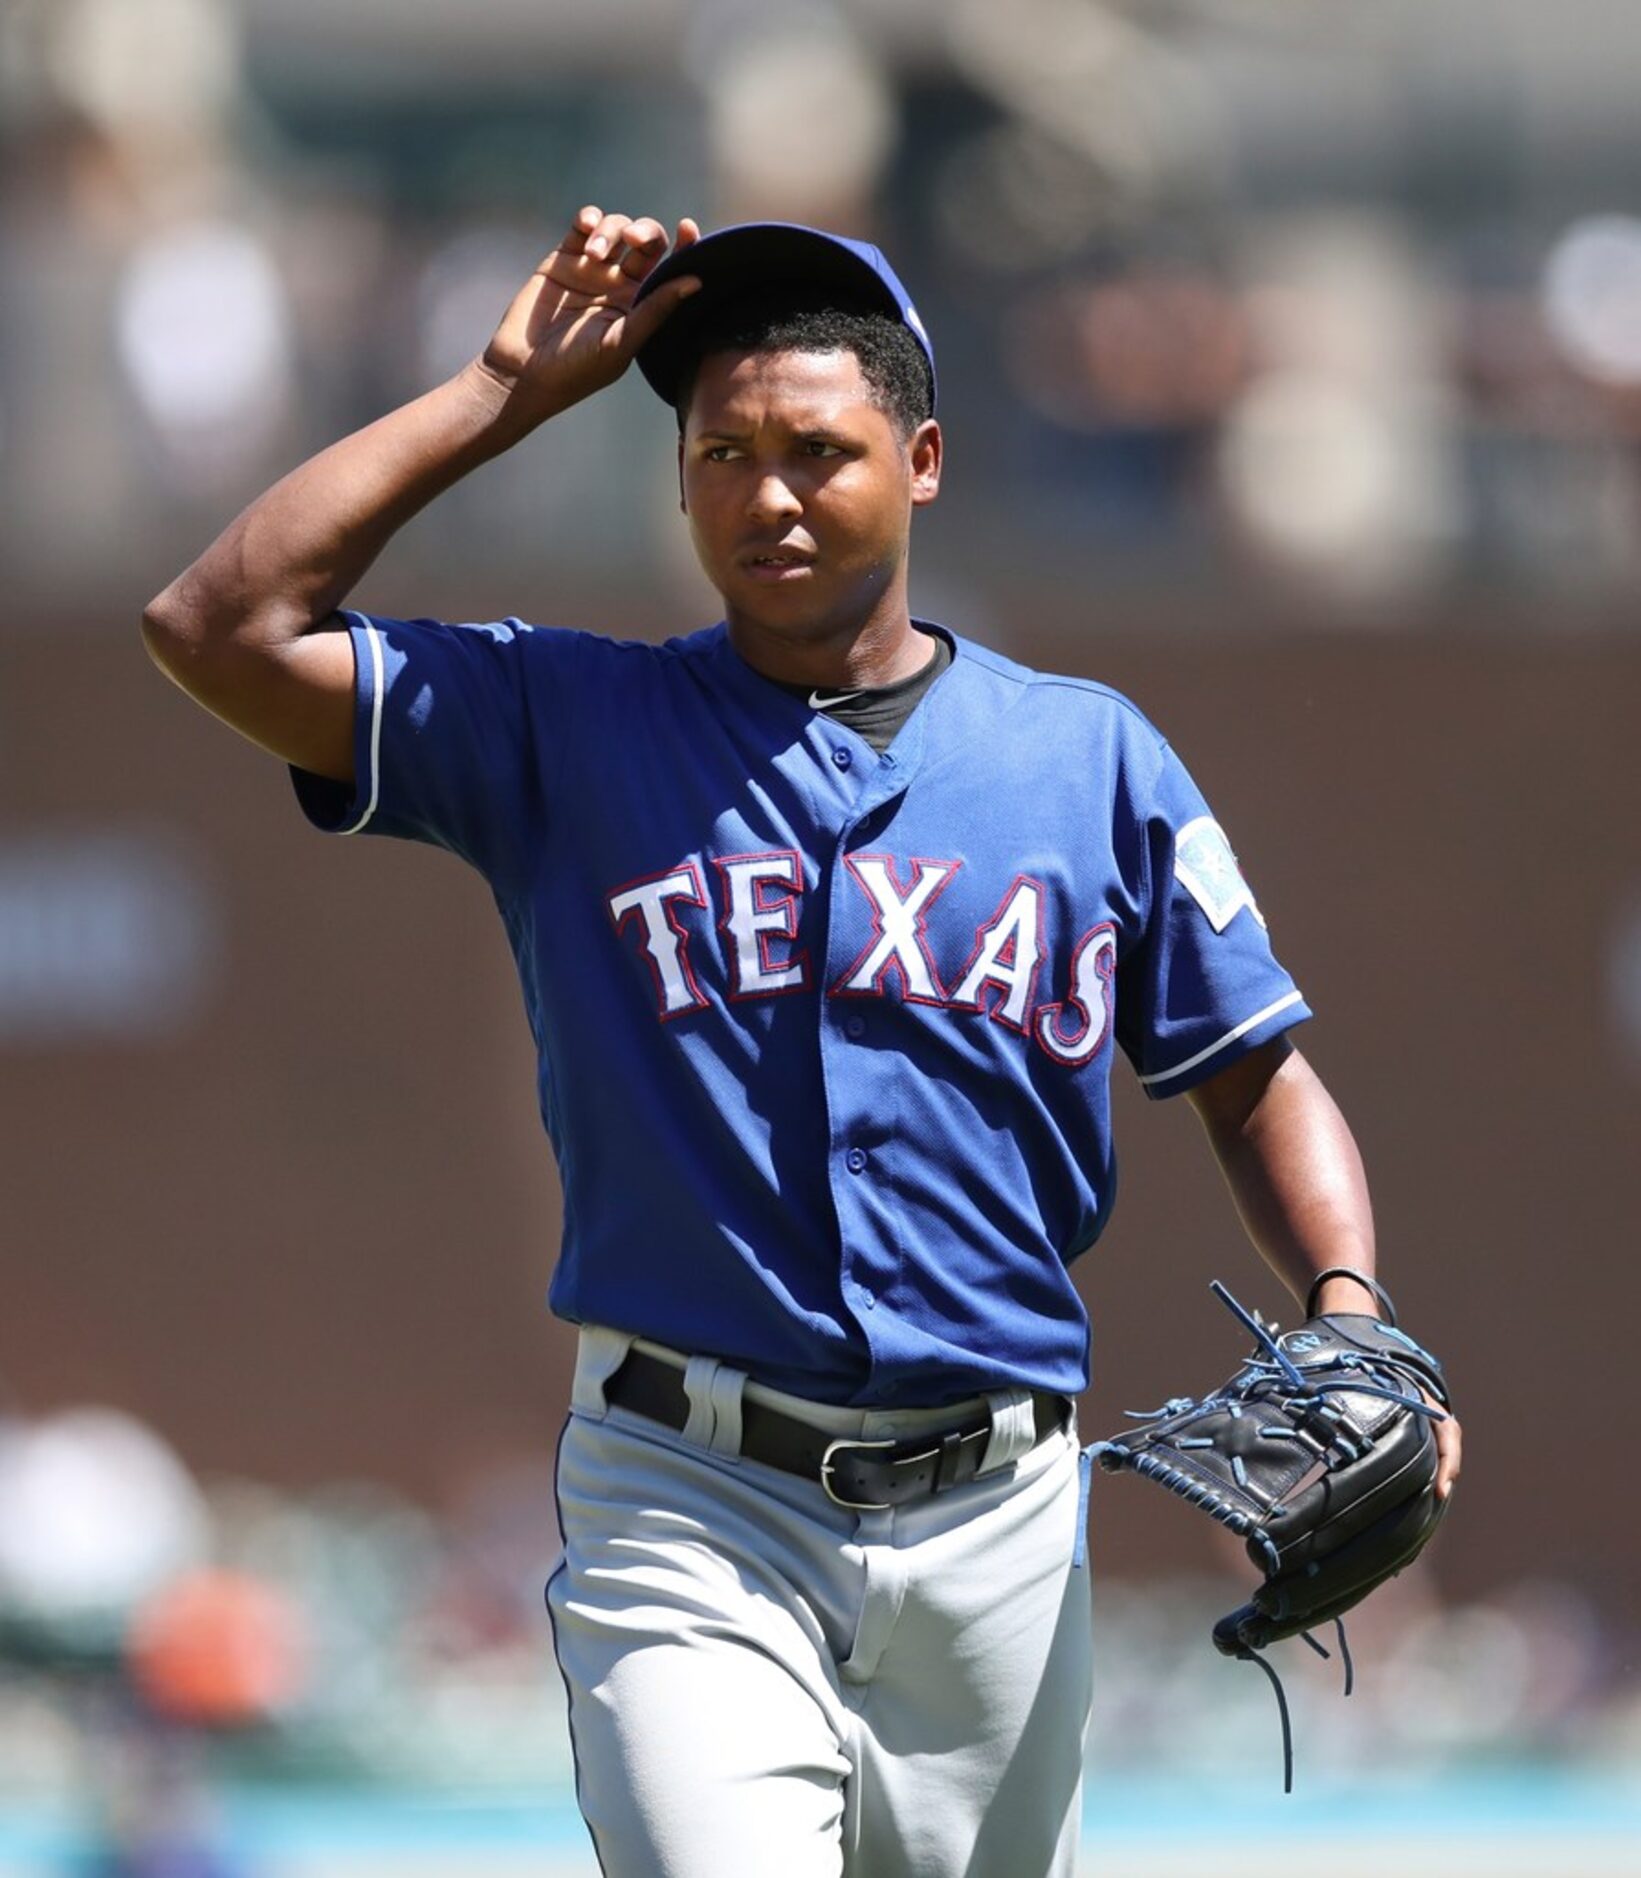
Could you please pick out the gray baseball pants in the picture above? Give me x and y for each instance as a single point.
(764, 1684)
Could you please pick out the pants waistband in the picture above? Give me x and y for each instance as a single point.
(863, 1458)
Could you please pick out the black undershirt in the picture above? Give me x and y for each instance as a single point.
(878, 714)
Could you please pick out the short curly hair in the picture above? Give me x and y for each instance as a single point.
(891, 360)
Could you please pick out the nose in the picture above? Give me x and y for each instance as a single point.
(773, 500)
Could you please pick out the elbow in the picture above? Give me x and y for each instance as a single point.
(166, 633)
(185, 630)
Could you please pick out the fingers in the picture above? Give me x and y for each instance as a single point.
(643, 320)
(632, 246)
(612, 251)
(644, 244)
(586, 221)
(1449, 1447)
(619, 234)
(586, 288)
(1449, 1454)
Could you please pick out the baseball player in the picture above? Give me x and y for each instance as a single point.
(830, 923)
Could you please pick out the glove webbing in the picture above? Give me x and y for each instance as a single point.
(1200, 1494)
(1187, 1486)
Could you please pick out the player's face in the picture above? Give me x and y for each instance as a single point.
(799, 493)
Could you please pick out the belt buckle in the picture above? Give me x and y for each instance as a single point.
(837, 1499)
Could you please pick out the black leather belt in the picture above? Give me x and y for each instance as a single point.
(866, 1476)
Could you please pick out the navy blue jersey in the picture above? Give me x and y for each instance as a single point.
(824, 1037)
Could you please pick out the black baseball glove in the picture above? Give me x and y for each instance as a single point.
(1320, 1452)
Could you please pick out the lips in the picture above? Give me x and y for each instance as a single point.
(776, 567)
(774, 558)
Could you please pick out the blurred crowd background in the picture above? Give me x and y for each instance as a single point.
(1291, 374)
(1228, 287)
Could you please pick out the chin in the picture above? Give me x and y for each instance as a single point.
(795, 610)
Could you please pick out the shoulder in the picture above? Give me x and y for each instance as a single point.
(1060, 699)
(551, 662)
(634, 658)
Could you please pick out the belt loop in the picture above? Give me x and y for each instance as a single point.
(699, 1373)
(599, 1353)
(1013, 1428)
(713, 1390)
(727, 1384)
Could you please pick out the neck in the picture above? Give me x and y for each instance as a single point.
(843, 655)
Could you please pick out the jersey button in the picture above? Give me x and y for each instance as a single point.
(854, 1025)
(842, 758)
(855, 1160)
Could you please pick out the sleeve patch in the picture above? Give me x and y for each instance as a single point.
(1207, 869)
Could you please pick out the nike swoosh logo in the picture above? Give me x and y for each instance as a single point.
(818, 703)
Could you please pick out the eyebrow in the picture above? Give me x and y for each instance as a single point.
(820, 427)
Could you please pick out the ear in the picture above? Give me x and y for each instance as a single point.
(925, 450)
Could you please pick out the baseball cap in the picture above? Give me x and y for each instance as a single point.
(774, 258)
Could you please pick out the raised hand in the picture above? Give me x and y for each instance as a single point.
(572, 327)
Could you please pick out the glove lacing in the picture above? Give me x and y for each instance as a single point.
(1274, 1375)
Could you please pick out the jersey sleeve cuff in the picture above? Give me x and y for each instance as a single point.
(337, 808)
(1259, 1028)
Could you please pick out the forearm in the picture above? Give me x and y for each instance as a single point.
(290, 559)
(1295, 1175)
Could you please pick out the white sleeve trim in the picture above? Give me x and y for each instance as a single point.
(1242, 1029)
(375, 758)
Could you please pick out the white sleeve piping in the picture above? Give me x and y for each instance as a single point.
(376, 688)
(1242, 1029)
